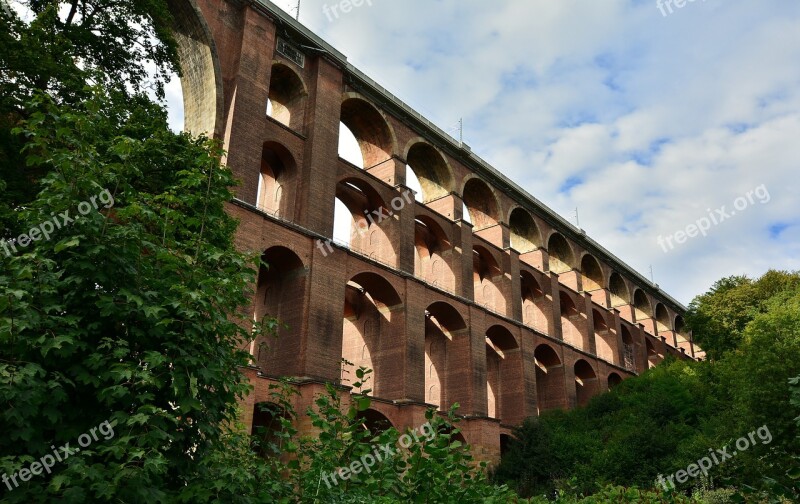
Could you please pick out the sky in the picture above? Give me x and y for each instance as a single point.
(653, 124)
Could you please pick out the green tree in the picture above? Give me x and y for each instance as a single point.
(719, 317)
(124, 315)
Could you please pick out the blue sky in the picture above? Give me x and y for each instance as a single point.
(644, 122)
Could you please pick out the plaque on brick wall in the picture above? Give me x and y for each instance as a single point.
(291, 52)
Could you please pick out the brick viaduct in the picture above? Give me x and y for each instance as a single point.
(506, 309)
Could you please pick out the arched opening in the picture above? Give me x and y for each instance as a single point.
(662, 318)
(573, 323)
(369, 222)
(653, 358)
(349, 149)
(641, 306)
(561, 257)
(276, 183)
(505, 444)
(433, 254)
(604, 339)
(586, 385)
(371, 323)
(487, 278)
(628, 350)
(481, 204)
(370, 130)
(287, 97)
(619, 291)
(431, 170)
(201, 79)
(525, 235)
(268, 423)
(591, 274)
(613, 380)
(280, 294)
(504, 379)
(374, 422)
(534, 304)
(550, 385)
(682, 335)
(413, 183)
(680, 327)
(446, 349)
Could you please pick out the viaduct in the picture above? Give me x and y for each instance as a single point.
(472, 292)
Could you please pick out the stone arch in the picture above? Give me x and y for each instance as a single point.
(550, 385)
(680, 326)
(573, 322)
(287, 95)
(604, 339)
(374, 422)
(482, 203)
(641, 305)
(268, 420)
(365, 205)
(525, 236)
(374, 134)
(487, 276)
(560, 253)
(370, 319)
(614, 379)
(591, 274)
(431, 168)
(662, 318)
(433, 253)
(653, 357)
(280, 293)
(446, 343)
(201, 75)
(277, 180)
(628, 350)
(586, 384)
(534, 303)
(620, 295)
(504, 377)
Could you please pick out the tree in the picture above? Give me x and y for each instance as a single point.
(123, 315)
(718, 318)
(120, 285)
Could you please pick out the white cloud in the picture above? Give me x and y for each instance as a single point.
(658, 118)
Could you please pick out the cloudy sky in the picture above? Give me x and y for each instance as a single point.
(645, 122)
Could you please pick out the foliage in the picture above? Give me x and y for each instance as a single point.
(433, 468)
(61, 48)
(670, 417)
(719, 317)
(125, 314)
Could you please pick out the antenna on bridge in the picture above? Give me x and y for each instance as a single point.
(461, 131)
(652, 278)
(577, 218)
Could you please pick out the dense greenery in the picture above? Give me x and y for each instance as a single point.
(671, 416)
(429, 465)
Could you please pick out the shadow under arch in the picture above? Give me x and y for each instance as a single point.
(201, 76)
